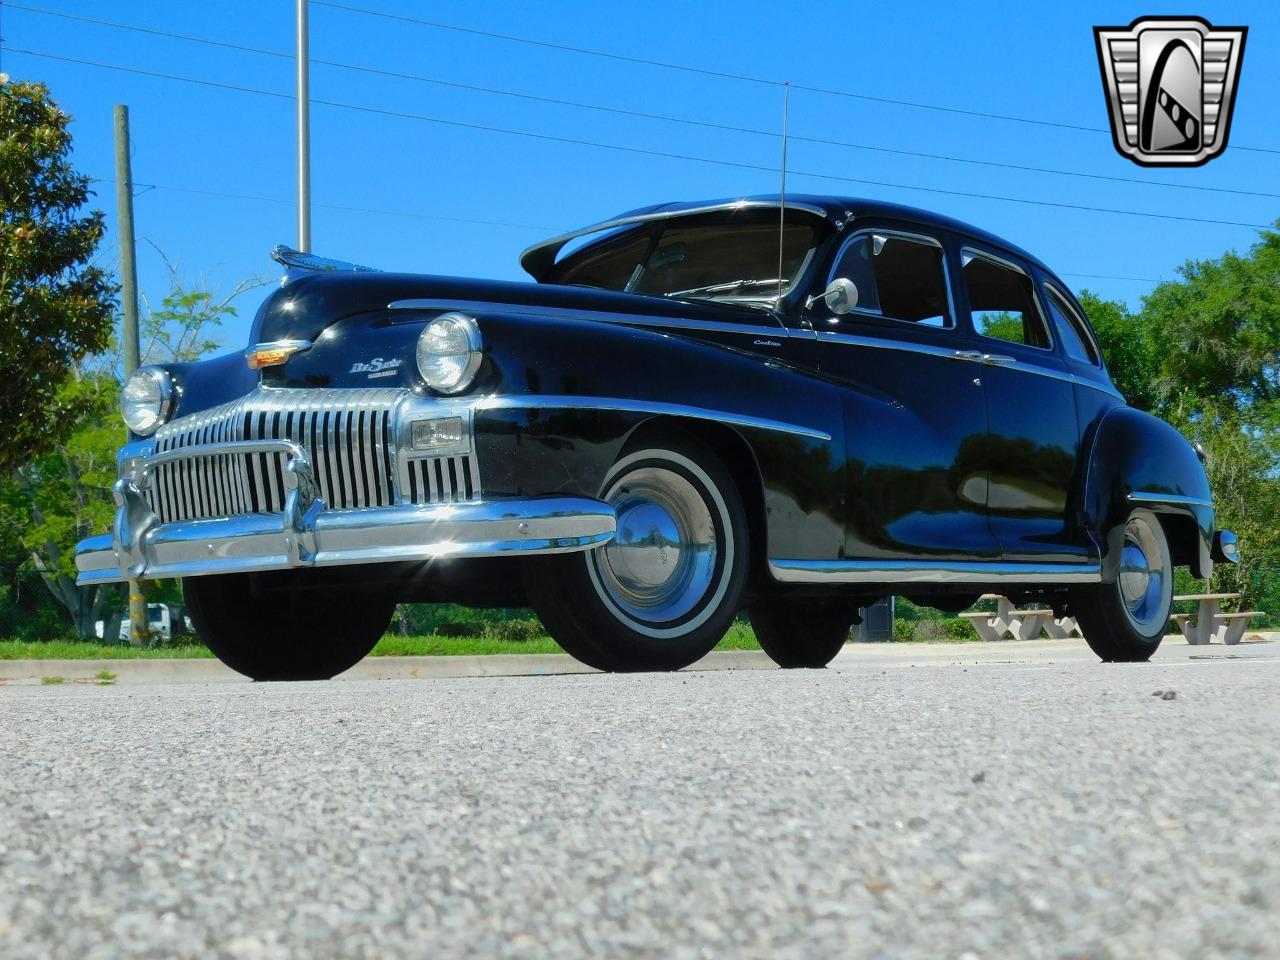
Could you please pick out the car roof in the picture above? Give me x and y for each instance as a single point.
(539, 257)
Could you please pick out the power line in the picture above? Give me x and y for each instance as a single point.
(289, 201)
(686, 68)
(1106, 276)
(581, 105)
(641, 151)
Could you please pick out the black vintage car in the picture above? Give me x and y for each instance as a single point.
(698, 408)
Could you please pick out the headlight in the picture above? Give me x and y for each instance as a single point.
(449, 352)
(147, 400)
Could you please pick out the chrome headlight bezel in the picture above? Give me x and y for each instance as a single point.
(157, 404)
(452, 371)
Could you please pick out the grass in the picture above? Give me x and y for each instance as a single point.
(739, 637)
(84, 650)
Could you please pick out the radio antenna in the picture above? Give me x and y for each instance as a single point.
(782, 191)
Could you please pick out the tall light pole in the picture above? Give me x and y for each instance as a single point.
(304, 133)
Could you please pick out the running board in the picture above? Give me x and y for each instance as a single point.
(931, 571)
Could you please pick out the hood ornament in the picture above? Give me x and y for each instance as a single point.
(295, 263)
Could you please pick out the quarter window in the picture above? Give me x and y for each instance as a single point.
(1076, 341)
(1002, 303)
(897, 277)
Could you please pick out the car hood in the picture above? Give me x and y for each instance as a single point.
(307, 306)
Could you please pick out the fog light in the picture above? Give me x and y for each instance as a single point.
(443, 432)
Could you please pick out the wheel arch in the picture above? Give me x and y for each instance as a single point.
(1139, 461)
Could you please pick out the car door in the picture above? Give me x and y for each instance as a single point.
(916, 421)
(1031, 411)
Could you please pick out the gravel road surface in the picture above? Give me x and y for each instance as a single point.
(953, 806)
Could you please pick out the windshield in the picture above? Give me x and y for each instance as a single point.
(696, 259)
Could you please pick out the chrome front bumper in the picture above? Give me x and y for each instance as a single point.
(307, 534)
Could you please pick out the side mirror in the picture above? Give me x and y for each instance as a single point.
(841, 296)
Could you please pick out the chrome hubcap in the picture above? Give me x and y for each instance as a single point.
(1144, 579)
(662, 560)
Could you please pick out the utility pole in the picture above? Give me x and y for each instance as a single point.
(139, 632)
(304, 132)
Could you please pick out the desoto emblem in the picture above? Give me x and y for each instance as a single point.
(377, 367)
(1170, 84)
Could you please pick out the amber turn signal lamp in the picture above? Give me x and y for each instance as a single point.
(273, 354)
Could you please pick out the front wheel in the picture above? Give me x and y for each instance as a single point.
(802, 633)
(662, 593)
(1124, 621)
(285, 634)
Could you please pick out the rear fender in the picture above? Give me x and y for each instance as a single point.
(1139, 461)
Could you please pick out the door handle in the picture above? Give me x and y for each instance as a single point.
(997, 359)
(973, 356)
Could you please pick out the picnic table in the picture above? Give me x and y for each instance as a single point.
(1021, 624)
(1210, 622)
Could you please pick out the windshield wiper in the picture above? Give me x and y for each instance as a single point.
(729, 287)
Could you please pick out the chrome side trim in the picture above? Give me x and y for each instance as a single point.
(931, 571)
(542, 255)
(571, 313)
(644, 406)
(950, 353)
(322, 538)
(1175, 499)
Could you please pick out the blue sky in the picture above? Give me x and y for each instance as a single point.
(1024, 59)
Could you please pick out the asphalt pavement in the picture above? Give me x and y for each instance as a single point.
(1023, 802)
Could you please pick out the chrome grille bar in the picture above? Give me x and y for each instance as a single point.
(348, 434)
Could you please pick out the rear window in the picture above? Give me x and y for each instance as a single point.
(1077, 343)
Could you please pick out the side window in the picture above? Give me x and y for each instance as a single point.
(897, 277)
(1076, 341)
(1002, 302)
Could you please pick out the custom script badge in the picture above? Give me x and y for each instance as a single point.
(1170, 84)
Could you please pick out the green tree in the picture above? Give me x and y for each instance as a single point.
(1217, 330)
(1129, 352)
(64, 494)
(55, 306)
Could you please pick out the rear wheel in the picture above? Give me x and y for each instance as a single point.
(1125, 621)
(663, 592)
(802, 633)
(285, 634)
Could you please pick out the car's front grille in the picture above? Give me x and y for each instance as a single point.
(348, 435)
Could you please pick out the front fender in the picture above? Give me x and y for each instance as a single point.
(565, 396)
(1138, 460)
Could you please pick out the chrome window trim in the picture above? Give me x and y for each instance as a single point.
(540, 401)
(1175, 499)
(625, 319)
(1010, 265)
(1081, 326)
(931, 571)
(903, 235)
(550, 248)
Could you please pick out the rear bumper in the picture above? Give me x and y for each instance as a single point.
(309, 534)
